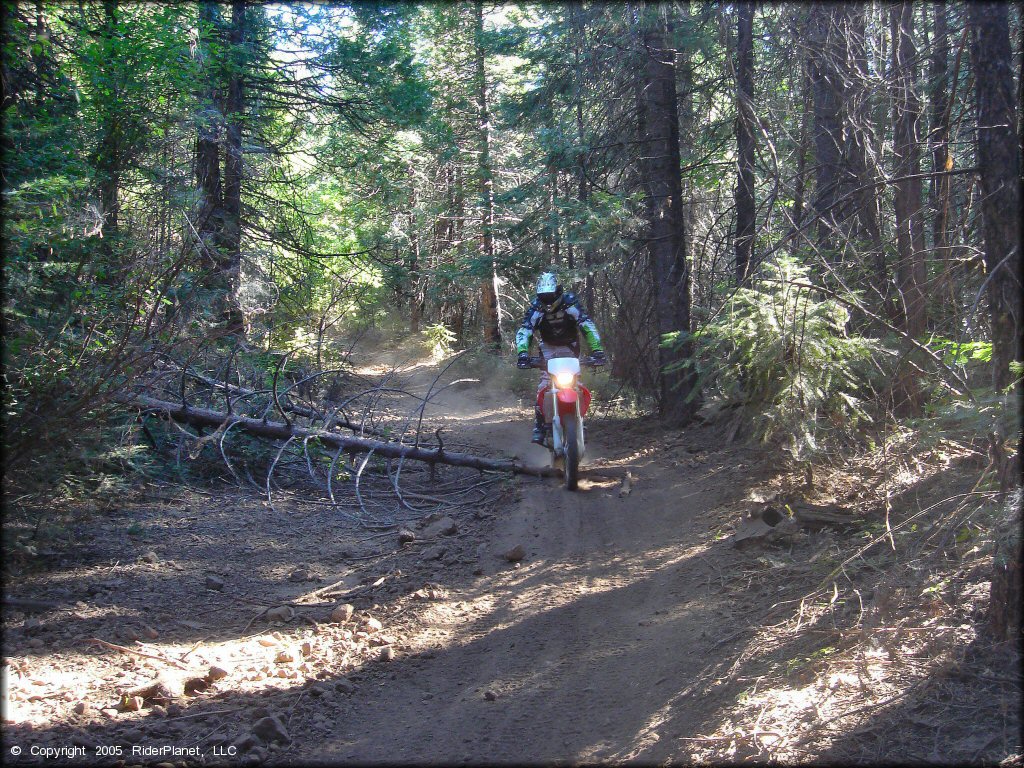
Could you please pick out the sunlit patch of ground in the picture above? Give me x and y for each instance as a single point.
(282, 658)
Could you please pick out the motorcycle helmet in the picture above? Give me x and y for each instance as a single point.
(548, 289)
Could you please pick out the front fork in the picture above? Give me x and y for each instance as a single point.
(557, 441)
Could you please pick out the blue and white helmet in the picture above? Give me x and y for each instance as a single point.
(548, 289)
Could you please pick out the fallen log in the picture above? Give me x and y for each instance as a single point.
(819, 516)
(30, 603)
(275, 430)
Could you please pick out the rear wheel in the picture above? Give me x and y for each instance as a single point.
(572, 453)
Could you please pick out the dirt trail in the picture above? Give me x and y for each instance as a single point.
(632, 630)
(577, 653)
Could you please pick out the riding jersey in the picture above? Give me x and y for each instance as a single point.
(557, 325)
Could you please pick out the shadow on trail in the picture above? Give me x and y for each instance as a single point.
(641, 661)
(407, 711)
(542, 662)
(148, 564)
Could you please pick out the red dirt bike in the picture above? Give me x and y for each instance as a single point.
(564, 405)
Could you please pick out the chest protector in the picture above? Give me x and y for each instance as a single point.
(558, 327)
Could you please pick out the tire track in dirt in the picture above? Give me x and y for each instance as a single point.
(579, 653)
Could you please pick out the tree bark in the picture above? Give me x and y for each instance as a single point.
(1004, 606)
(910, 268)
(666, 237)
(210, 214)
(999, 176)
(489, 312)
(745, 210)
(582, 188)
(414, 260)
(998, 153)
(687, 121)
(911, 271)
(218, 159)
(457, 307)
(860, 139)
(231, 235)
(825, 61)
(799, 185)
(938, 66)
(109, 156)
(42, 63)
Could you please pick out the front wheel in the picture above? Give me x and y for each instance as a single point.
(572, 453)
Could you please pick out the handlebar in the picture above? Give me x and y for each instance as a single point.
(539, 362)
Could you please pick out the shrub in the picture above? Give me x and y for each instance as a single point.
(782, 351)
(439, 340)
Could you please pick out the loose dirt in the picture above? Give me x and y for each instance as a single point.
(566, 655)
(633, 628)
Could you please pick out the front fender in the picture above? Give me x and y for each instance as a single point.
(567, 402)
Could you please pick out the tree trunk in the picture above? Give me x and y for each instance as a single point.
(41, 62)
(666, 237)
(910, 268)
(1004, 606)
(231, 235)
(551, 229)
(210, 213)
(219, 124)
(489, 312)
(111, 147)
(582, 189)
(457, 228)
(570, 252)
(11, 87)
(911, 274)
(938, 66)
(687, 125)
(999, 177)
(827, 93)
(414, 261)
(799, 185)
(860, 139)
(745, 210)
(457, 310)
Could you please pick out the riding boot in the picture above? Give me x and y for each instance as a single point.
(538, 429)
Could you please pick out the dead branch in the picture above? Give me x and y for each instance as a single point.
(23, 602)
(203, 417)
(124, 649)
(285, 404)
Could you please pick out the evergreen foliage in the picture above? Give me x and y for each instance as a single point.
(185, 180)
(783, 352)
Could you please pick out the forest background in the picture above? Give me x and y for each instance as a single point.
(808, 213)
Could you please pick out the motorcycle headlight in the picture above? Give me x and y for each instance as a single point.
(564, 379)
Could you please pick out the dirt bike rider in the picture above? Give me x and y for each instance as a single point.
(558, 319)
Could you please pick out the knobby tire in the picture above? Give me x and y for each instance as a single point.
(572, 453)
